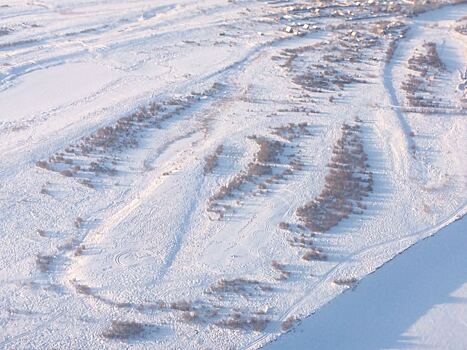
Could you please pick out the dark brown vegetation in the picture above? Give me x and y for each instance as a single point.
(348, 181)
(211, 161)
(97, 153)
(240, 321)
(44, 262)
(314, 254)
(81, 288)
(124, 330)
(292, 131)
(258, 172)
(280, 268)
(288, 323)
(80, 250)
(420, 86)
(239, 286)
(349, 282)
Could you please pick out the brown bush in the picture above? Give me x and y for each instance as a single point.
(42, 164)
(66, 173)
(347, 182)
(211, 161)
(350, 281)
(314, 254)
(288, 323)
(78, 222)
(44, 262)
(284, 274)
(124, 330)
(79, 251)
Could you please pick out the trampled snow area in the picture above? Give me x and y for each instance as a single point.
(185, 174)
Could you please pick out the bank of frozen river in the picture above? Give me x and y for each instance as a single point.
(416, 301)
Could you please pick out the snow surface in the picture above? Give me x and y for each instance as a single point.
(416, 301)
(125, 231)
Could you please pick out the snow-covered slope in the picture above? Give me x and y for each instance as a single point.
(201, 174)
(416, 301)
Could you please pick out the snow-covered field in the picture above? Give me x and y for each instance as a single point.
(187, 174)
(417, 301)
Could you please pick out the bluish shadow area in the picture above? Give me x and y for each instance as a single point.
(386, 303)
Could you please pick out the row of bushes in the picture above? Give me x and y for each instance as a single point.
(97, 153)
(348, 181)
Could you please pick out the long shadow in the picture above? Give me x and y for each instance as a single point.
(385, 304)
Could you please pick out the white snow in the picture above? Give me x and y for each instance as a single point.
(416, 301)
(108, 113)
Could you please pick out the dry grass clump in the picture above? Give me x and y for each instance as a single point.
(211, 161)
(81, 288)
(288, 323)
(78, 223)
(292, 131)
(68, 245)
(44, 262)
(283, 273)
(181, 305)
(124, 330)
(240, 286)
(314, 254)
(42, 164)
(461, 28)
(303, 241)
(80, 250)
(240, 321)
(41, 232)
(66, 173)
(349, 282)
(269, 150)
(346, 184)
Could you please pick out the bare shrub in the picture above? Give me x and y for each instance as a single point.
(67, 245)
(41, 232)
(78, 222)
(44, 191)
(301, 242)
(268, 152)
(79, 251)
(124, 330)
(86, 182)
(81, 288)
(314, 254)
(349, 282)
(427, 68)
(238, 321)
(211, 161)
(181, 305)
(66, 173)
(240, 286)
(284, 274)
(347, 182)
(42, 164)
(44, 262)
(190, 316)
(288, 323)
